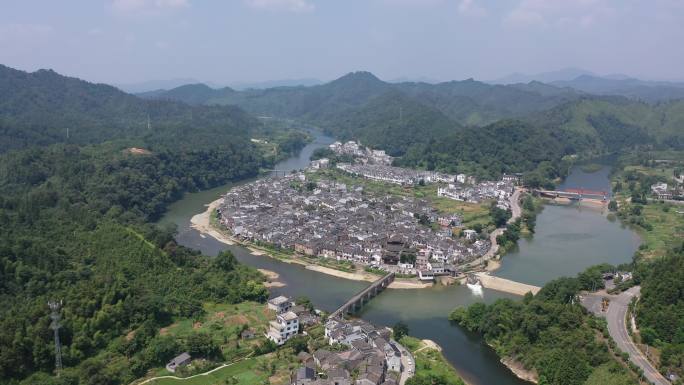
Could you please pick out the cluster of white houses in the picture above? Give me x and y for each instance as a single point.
(363, 355)
(500, 191)
(361, 154)
(396, 175)
(331, 220)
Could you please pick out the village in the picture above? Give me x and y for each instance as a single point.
(334, 350)
(319, 217)
(357, 353)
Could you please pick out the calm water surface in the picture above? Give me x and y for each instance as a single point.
(426, 311)
(569, 239)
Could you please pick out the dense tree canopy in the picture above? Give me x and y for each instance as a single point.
(73, 226)
(549, 332)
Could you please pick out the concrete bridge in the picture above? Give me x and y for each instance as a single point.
(278, 172)
(575, 194)
(363, 297)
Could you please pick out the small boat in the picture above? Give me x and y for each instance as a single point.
(202, 235)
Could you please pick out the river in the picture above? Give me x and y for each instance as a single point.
(570, 238)
(425, 311)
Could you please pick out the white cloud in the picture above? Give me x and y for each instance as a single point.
(148, 5)
(282, 5)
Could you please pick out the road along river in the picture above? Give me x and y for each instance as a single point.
(425, 311)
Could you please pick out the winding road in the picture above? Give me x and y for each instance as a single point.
(617, 327)
(516, 211)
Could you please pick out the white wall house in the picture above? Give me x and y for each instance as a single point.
(285, 326)
(280, 304)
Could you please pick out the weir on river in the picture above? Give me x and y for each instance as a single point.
(568, 239)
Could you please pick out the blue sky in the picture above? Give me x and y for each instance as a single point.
(223, 41)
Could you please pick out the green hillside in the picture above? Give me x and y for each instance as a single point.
(468, 102)
(76, 225)
(611, 123)
(37, 109)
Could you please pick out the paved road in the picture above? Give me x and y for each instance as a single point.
(407, 361)
(515, 205)
(617, 327)
(516, 211)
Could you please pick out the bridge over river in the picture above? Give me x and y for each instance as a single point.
(575, 194)
(363, 297)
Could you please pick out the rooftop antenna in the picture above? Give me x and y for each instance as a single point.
(55, 325)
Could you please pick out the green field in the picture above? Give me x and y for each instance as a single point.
(666, 220)
(243, 371)
(269, 369)
(664, 170)
(430, 363)
(224, 322)
(668, 228)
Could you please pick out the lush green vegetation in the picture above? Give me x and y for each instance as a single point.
(37, 109)
(424, 123)
(550, 333)
(660, 259)
(75, 225)
(431, 366)
(467, 102)
(660, 312)
(660, 224)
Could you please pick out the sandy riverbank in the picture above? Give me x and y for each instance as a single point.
(368, 277)
(409, 284)
(202, 223)
(272, 278)
(493, 264)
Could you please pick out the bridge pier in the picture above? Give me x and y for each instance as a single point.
(360, 299)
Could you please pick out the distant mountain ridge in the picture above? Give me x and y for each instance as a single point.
(649, 91)
(44, 107)
(467, 102)
(544, 77)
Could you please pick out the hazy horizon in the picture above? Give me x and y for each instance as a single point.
(251, 41)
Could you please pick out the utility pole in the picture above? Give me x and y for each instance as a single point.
(55, 325)
(67, 133)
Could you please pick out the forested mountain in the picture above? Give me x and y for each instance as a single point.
(612, 123)
(73, 228)
(75, 224)
(475, 103)
(545, 77)
(648, 91)
(424, 122)
(38, 108)
(467, 102)
(392, 121)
